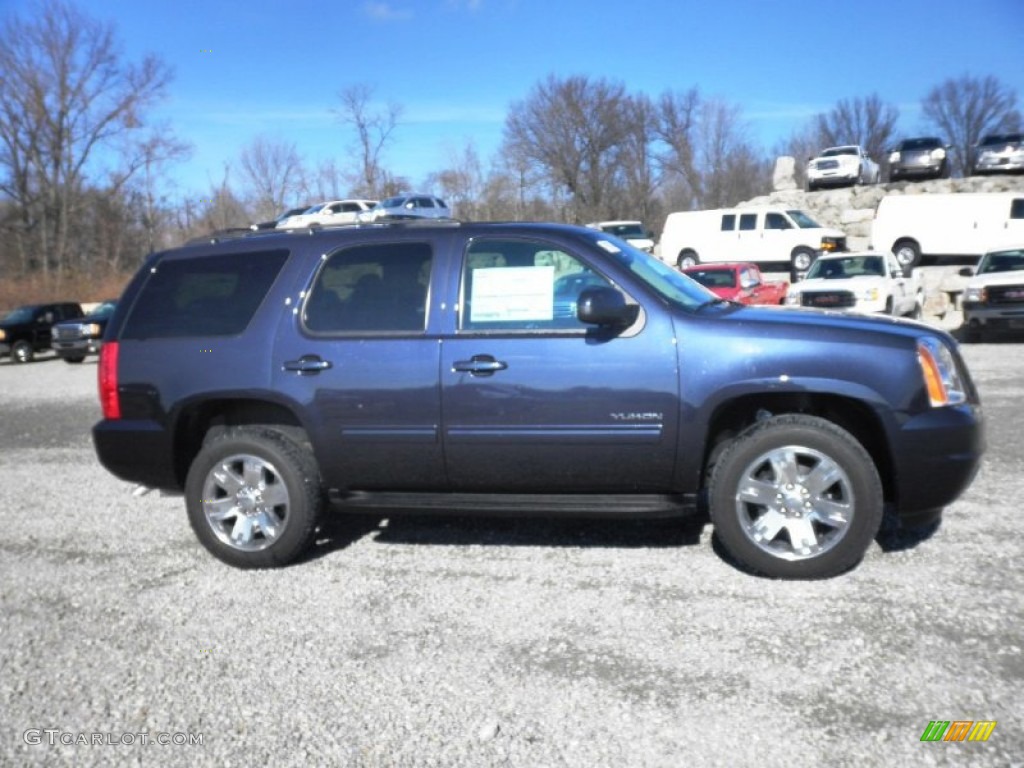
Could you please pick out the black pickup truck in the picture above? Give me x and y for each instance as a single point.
(27, 330)
(516, 369)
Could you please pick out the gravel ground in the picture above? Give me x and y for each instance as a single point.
(452, 642)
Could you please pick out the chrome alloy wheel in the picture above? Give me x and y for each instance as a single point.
(795, 502)
(245, 502)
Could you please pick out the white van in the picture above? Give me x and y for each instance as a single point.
(946, 224)
(762, 234)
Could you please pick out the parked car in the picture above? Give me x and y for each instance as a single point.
(770, 234)
(946, 224)
(408, 367)
(921, 158)
(994, 296)
(331, 212)
(837, 166)
(738, 281)
(411, 206)
(998, 153)
(860, 282)
(73, 340)
(27, 330)
(633, 232)
(281, 217)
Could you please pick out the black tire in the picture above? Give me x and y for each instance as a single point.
(809, 451)
(22, 352)
(74, 359)
(799, 262)
(687, 258)
(254, 460)
(811, 186)
(889, 306)
(908, 254)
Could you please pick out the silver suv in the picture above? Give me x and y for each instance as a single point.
(411, 206)
(922, 158)
(999, 153)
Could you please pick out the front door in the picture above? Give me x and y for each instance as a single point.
(534, 400)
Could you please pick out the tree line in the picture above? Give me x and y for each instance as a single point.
(81, 163)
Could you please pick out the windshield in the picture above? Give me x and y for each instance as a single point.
(19, 315)
(624, 230)
(836, 151)
(921, 144)
(391, 202)
(106, 309)
(846, 267)
(803, 220)
(713, 278)
(671, 285)
(1001, 261)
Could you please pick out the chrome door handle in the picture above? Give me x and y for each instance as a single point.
(307, 364)
(479, 365)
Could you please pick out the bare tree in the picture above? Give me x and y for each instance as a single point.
(64, 95)
(868, 122)
(966, 108)
(637, 164)
(461, 183)
(373, 130)
(272, 172)
(573, 129)
(708, 161)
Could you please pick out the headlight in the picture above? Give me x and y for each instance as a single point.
(793, 299)
(3, 334)
(871, 294)
(976, 294)
(938, 154)
(894, 158)
(93, 329)
(941, 378)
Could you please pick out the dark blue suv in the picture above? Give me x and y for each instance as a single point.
(519, 369)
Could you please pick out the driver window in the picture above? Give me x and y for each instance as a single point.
(522, 285)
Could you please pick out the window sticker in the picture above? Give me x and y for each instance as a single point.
(503, 294)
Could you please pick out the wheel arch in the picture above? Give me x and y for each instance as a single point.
(198, 421)
(857, 417)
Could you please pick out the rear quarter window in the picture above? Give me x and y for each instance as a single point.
(203, 296)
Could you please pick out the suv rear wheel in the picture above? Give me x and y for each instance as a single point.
(795, 496)
(253, 497)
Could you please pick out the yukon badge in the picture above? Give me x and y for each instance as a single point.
(634, 416)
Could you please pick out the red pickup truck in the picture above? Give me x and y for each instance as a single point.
(738, 281)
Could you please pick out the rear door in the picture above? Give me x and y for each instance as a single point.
(535, 401)
(357, 353)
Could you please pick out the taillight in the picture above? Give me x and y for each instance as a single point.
(109, 400)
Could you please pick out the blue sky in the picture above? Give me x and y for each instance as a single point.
(274, 68)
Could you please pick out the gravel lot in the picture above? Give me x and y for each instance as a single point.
(418, 642)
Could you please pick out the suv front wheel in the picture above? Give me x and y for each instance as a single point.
(795, 496)
(253, 497)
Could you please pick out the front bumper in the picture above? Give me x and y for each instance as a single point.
(936, 456)
(77, 348)
(978, 314)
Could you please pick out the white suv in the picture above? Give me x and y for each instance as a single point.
(331, 212)
(842, 165)
(633, 232)
(411, 206)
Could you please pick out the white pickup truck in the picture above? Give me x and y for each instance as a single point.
(860, 282)
(841, 166)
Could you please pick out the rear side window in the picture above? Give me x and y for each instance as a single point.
(375, 288)
(748, 221)
(1017, 208)
(203, 296)
(728, 222)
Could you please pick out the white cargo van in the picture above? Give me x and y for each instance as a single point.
(762, 234)
(946, 224)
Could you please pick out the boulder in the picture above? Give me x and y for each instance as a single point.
(784, 176)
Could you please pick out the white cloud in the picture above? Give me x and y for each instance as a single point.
(386, 12)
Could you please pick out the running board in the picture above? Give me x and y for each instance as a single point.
(622, 505)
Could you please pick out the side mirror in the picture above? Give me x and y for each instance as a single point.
(605, 307)
(410, 205)
(966, 272)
